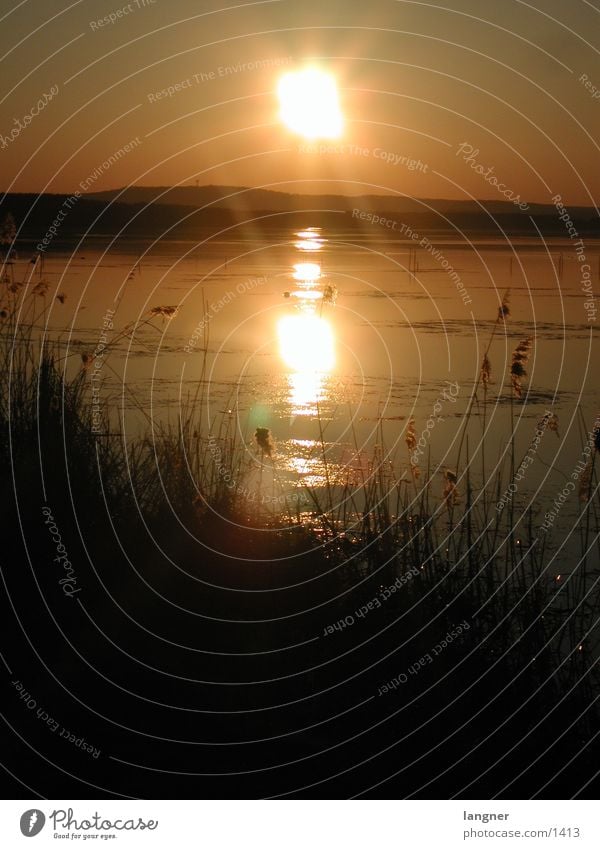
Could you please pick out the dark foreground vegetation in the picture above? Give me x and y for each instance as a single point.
(392, 643)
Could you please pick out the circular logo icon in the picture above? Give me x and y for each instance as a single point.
(32, 822)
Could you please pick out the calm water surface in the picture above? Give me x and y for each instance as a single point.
(336, 341)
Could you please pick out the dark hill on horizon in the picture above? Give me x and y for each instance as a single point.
(183, 212)
(245, 199)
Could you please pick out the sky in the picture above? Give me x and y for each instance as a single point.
(455, 88)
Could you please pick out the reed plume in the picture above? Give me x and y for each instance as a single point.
(264, 440)
(552, 423)
(165, 311)
(40, 289)
(504, 309)
(411, 436)
(450, 493)
(585, 481)
(518, 371)
(486, 371)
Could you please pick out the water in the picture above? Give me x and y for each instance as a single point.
(404, 339)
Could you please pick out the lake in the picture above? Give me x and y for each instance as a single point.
(335, 341)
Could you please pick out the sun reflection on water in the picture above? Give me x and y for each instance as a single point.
(310, 240)
(304, 462)
(306, 343)
(307, 349)
(307, 272)
(306, 390)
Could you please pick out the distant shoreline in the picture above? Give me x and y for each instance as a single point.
(103, 217)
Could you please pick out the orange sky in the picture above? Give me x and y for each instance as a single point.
(515, 81)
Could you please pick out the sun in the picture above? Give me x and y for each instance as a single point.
(309, 104)
(306, 343)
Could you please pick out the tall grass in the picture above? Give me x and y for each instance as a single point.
(202, 482)
(534, 601)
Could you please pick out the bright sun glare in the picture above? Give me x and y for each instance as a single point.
(309, 104)
(306, 343)
(307, 272)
